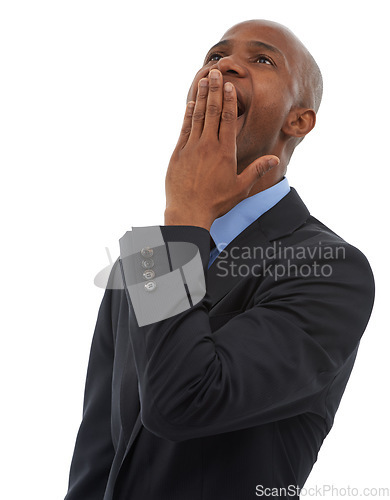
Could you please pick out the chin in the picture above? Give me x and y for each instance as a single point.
(243, 156)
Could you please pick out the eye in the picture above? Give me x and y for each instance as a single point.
(264, 59)
(214, 57)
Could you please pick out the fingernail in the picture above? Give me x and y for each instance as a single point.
(214, 73)
(203, 82)
(273, 162)
(228, 87)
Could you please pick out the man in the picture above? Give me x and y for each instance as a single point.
(216, 373)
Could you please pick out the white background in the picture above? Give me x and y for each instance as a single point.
(92, 96)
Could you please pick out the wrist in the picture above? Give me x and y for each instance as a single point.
(179, 217)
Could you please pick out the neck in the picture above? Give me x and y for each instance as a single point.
(265, 182)
(270, 178)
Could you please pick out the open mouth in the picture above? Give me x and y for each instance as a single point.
(241, 106)
(240, 109)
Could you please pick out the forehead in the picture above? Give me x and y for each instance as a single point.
(268, 32)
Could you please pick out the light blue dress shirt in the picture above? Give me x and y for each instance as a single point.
(224, 229)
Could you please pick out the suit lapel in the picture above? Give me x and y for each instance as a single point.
(227, 270)
(257, 239)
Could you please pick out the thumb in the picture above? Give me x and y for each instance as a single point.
(256, 170)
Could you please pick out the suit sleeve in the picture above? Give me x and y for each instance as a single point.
(272, 361)
(178, 283)
(94, 451)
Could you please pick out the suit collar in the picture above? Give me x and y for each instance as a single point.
(284, 218)
(281, 220)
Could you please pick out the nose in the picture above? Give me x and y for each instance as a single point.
(230, 66)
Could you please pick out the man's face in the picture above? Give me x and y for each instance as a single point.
(261, 59)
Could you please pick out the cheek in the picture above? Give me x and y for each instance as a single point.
(272, 94)
(269, 108)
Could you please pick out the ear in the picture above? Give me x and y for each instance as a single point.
(299, 122)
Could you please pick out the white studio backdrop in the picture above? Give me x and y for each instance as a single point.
(92, 97)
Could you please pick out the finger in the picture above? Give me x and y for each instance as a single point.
(214, 104)
(199, 110)
(228, 127)
(255, 170)
(186, 127)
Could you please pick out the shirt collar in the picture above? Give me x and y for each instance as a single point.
(226, 228)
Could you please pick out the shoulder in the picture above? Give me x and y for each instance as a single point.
(327, 264)
(315, 234)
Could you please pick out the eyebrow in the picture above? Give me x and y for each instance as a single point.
(251, 43)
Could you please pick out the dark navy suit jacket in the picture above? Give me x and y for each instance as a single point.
(239, 390)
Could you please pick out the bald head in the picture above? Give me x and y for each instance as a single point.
(308, 83)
